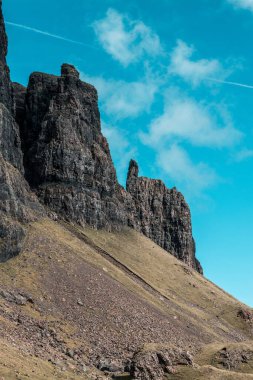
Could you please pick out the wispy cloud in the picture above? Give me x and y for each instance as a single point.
(243, 154)
(243, 4)
(123, 99)
(199, 71)
(28, 28)
(199, 124)
(186, 122)
(193, 71)
(126, 40)
(177, 164)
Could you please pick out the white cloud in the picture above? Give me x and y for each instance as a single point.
(125, 39)
(192, 71)
(243, 154)
(244, 4)
(176, 163)
(118, 141)
(184, 119)
(124, 99)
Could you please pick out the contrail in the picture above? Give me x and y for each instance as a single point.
(47, 34)
(230, 83)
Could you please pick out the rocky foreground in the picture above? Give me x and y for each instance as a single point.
(84, 304)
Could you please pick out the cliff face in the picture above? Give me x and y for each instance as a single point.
(17, 204)
(67, 159)
(163, 215)
(5, 89)
(51, 132)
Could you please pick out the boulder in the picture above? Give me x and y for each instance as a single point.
(152, 362)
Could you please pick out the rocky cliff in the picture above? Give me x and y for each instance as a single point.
(51, 132)
(5, 89)
(163, 215)
(67, 159)
(17, 203)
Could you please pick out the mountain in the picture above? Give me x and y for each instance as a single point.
(57, 143)
(98, 281)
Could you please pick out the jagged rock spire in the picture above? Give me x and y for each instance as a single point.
(132, 174)
(69, 70)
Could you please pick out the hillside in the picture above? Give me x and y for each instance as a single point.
(76, 299)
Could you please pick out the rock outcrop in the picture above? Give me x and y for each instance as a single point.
(51, 133)
(17, 204)
(5, 88)
(163, 215)
(233, 358)
(67, 159)
(153, 362)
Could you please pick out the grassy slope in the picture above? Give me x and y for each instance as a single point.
(208, 365)
(208, 373)
(167, 288)
(14, 364)
(194, 297)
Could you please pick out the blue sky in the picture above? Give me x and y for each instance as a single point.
(175, 86)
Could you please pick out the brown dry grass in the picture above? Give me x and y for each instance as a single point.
(191, 300)
(207, 365)
(195, 298)
(207, 373)
(16, 365)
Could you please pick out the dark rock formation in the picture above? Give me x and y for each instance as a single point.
(233, 358)
(17, 207)
(5, 93)
(152, 363)
(245, 315)
(163, 214)
(19, 95)
(17, 204)
(66, 161)
(10, 144)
